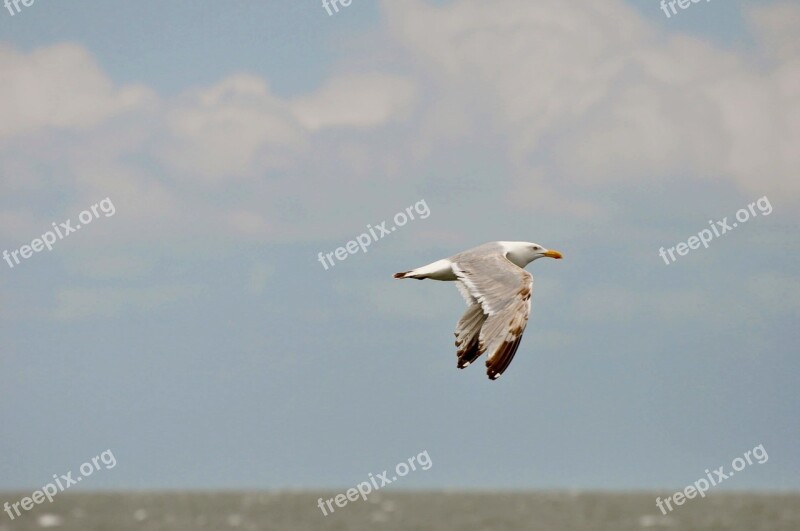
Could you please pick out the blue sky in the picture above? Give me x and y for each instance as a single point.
(195, 334)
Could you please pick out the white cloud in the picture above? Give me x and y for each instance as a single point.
(59, 87)
(540, 103)
(775, 25)
(358, 101)
(597, 95)
(233, 128)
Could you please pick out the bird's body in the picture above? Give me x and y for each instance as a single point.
(497, 291)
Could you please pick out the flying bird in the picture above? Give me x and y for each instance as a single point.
(497, 291)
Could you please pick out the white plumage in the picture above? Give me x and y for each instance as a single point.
(497, 291)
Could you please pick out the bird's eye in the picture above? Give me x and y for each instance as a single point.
(537, 248)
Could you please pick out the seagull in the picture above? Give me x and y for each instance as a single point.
(497, 291)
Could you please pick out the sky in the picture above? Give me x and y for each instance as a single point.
(190, 327)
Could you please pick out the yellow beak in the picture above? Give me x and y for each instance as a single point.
(553, 254)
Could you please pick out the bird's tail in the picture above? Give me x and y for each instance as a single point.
(438, 270)
(406, 274)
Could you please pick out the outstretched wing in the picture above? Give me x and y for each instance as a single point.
(468, 329)
(503, 292)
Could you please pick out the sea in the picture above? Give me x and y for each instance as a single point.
(404, 511)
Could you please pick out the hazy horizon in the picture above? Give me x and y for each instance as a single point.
(195, 333)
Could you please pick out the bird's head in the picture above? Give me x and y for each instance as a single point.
(523, 253)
